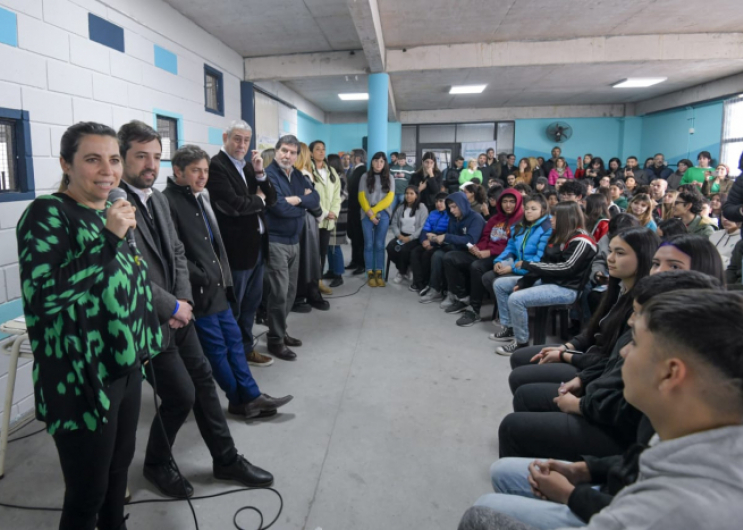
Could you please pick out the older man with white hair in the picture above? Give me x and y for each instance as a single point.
(240, 193)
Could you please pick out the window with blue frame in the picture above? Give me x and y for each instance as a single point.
(168, 129)
(16, 166)
(213, 90)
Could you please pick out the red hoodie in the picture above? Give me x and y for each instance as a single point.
(499, 227)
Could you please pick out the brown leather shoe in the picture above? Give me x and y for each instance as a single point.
(258, 359)
(280, 351)
(291, 341)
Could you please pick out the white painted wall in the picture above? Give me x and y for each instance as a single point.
(61, 77)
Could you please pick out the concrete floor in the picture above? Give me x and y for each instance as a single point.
(393, 426)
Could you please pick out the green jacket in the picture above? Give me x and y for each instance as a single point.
(695, 174)
(467, 175)
(699, 228)
(401, 183)
(330, 195)
(621, 202)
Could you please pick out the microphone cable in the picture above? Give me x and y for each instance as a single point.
(175, 465)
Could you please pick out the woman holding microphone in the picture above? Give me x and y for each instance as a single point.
(87, 303)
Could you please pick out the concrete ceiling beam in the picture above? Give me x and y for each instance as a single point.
(365, 16)
(303, 65)
(687, 47)
(514, 113)
(719, 88)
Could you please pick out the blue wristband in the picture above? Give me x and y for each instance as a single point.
(177, 307)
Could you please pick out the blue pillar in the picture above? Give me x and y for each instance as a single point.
(378, 111)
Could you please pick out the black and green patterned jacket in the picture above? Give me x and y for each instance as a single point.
(88, 308)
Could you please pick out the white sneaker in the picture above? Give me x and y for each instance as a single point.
(399, 278)
(431, 296)
(425, 291)
(409, 276)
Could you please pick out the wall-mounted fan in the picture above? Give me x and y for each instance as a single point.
(559, 131)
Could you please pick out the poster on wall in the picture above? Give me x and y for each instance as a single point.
(273, 119)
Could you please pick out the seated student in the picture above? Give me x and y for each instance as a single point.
(493, 193)
(683, 370)
(542, 185)
(469, 173)
(464, 268)
(210, 276)
(598, 421)
(630, 187)
(682, 252)
(406, 225)
(452, 175)
(560, 170)
(698, 175)
(617, 194)
(733, 272)
(523, 189)
(726, 239)
(580, 490)
(527, 242)
(524, 173)
(597, 216)
(552, 199)
(720, 182)
(583, 164)
(641, 206)
(437, 223)
(716, 201)
(670, 227)
(687, 207)
(706, 214)
(477, 198)
(595, 170)
(603, 182)
(465, 229)
(561, 273)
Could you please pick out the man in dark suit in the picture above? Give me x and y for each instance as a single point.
(354, 212)
(181, 373)
(240, 194)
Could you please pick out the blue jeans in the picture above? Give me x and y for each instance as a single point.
(335, 260)
(374, 241)
(397, 200)
(248, 286)
(513, 496)
(222, 343)
(515, 312)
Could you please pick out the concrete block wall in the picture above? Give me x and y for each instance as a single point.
(61, 77)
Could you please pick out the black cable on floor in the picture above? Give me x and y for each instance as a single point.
(27, 435)
(333, 297)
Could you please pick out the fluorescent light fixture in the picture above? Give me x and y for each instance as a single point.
(639, 82)
(359, 96)
(467, 89)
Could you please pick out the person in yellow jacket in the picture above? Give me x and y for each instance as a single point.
(376, 194)
(328, 186)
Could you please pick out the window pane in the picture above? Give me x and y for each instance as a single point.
(731, 155)
(212, 90)
(733, 119)
(436, 134)
(7, 158)
(168, 129)
(475, 132)
(408, 139)
(505, 138)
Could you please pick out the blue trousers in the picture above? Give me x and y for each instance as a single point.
(222, 343)
(248, 286)
(374, 241)
(335, 260)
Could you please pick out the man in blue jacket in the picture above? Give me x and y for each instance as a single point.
(285, 220)
(465, 229)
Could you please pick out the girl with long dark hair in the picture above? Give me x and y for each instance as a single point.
(376, 194)
(597, 216)
(406, 225)
(428, 180)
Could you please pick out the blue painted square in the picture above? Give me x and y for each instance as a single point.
(8, 28)
(215, 136)
(166, 60)
(104, 32)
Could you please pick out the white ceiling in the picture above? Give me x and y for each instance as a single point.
(257, 28)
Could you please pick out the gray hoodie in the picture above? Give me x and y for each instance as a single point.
(693, 482)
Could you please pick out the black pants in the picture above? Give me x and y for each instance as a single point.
(324, 243)
(95, 464)
(357, 238)
(538, 429)
(420, 262)
(184, 382)
(401, 258)
(464, 274)
(487, 284)
(524, 372)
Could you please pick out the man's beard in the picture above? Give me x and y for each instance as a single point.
(138, 181)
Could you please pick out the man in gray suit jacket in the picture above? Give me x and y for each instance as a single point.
(182, 375)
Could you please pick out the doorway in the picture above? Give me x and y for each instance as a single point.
(444, 153)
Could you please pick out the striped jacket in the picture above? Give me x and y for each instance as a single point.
(566, 265)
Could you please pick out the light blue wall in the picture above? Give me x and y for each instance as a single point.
(668, 132)
(343, 137)
(598, 136)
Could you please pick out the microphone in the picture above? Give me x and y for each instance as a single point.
(118, 194)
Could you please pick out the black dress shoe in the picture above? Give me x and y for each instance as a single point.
(352, 265)
(359, 270)
(240, 410)
(328, 275)
(166, 479)
(301, 307)
(280, 351)
(337, 281)
(243, 471)
(320, 304)
(265, 405)
(291, 341)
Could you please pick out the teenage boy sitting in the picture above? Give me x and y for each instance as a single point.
(437, 223)
(684, 371)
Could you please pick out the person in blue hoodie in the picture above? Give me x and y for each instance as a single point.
(437, 223)
(285, 220)
(528, 241)
(464, 231)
